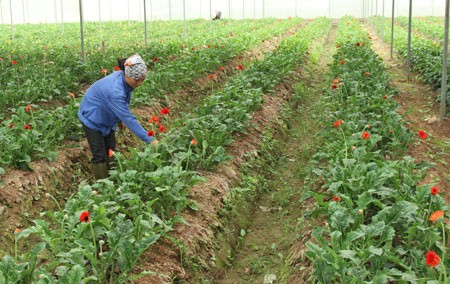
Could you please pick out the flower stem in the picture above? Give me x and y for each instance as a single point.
(443, 254)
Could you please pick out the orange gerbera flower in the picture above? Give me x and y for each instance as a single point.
(337, 123)
(436, 215)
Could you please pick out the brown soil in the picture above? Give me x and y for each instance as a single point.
(421, 111)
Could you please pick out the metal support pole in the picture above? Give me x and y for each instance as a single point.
(296, 15)
(376, 7)
(184, 18)
(382, 30)
(392, 28)
(329, 9)
(12, 25)
(444, 65)
(82, 31)
(210, 17)
(62, 16)
(1, 11)
(408, 66)
(23, 10)
(99, 13)
(145, 25)
(264, 8)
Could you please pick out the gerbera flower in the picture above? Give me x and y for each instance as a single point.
(436, 215)
(422, 134)
(365, 135)
(432, 259)
(85, 217)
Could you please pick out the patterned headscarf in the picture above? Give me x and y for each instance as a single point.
(135, 67)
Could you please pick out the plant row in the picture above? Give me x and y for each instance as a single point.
(33, 131)
(382, 226)
(426, 55)
(105, 227)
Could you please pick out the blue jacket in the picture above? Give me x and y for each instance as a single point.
(106, 103)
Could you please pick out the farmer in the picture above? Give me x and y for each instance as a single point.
(217, 15)
(106, 105)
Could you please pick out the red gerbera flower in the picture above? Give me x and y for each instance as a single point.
(165, 111)
(27, 127)
(194, 142)
(14, 62)
(116, 68)
(240, 67)
(11, 125)
(434, 190)
(151, 133)
(422, 134)
(162, 128)
(28, 108)
(334, 87)
(384, 97)
(432, 259)
(84, 217)
(358, 44)
(212, 76)
(342, 62)
(336, 198)
(365, 135)
(155, 59)
(337, 123)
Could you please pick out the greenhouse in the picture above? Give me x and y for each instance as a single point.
(224, 141)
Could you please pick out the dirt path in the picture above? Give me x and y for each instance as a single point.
(271, 248)
(420, 108)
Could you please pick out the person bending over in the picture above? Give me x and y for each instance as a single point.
(105, 105)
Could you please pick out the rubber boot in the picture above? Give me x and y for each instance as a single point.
(100, 170)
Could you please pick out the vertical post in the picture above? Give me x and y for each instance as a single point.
(382, 30)
(145, 25)
(444, 65)
(210, 18)
(329, 9)
(376, 7)
(99, 13)
(151, 11)
(62, 16)
(408, 65)
(432, 8)
(11, 14)
(296, 9)
(82, 31)
(1, 11)
(363, 6)
(392, 28)
(170, 9)
(184, 18)
(264, 8)
(23, 10)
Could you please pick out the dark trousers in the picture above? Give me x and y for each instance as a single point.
(99, 144)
